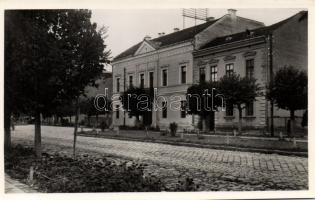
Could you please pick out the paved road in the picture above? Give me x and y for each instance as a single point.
(211, 169)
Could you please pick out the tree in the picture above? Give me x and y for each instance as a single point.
(239, 91)
(138, 102)
(202, 100)
(30, 65)
(289, 91)
(52, 55)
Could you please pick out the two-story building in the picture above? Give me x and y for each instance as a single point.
(257, 53)
(166, 63)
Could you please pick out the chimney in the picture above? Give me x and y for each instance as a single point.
(176, 29)
(161, 34)
(147, 37)
(232, 13)
(210, 19)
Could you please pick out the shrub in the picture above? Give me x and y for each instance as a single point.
(163, 133)
(173, 129)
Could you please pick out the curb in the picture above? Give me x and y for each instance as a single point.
(209, 146)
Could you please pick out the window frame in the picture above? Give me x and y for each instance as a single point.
(181, 74)
(229, 106)
(117, 84)
(117, 112)
(183, 105)
(130, 83)
(149, 79)
(140, 85)
(250, 69)
(204, 70)
(229, 72)
(164, 109)
(162, 77)
(214, 73)
(252, 109)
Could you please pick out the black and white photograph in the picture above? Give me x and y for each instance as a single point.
(157, 100)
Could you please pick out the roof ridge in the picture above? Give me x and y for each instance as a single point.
(261, 31)
(192, 27)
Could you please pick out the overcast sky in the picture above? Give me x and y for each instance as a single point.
(128, 27)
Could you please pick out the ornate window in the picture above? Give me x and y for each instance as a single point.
(202, 74)
(250, 68)
(229, 69)
(214, 73)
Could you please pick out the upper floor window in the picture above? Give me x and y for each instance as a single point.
(164, 77)
(202, 74)
(130, 81)
(183, 74)
(250, 68)
(214, 73)
(151, 79)
(142, 80)
(117, 84)
(229, 69)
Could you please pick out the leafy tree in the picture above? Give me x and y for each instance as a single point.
(51, 56)
(289, 91)
(138, 102)
(203, 100)
(239, 91)
(30, 65)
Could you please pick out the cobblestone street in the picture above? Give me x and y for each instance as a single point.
(215, 170)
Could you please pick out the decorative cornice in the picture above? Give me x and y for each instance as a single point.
(183, 62)
(249, 53)
(201, 62)
(213, 61)
(164, 66)
(229, 58)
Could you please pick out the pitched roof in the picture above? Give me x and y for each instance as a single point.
(250, 33)
(169, 39)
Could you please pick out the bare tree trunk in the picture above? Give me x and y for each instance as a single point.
(239, 120)
(76, 123)
(38, 137)
(292, 123)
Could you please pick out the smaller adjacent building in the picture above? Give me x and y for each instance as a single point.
(256, 53)
(104, 82)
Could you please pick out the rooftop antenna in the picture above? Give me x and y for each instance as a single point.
(195, 13)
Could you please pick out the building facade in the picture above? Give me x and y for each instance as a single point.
(256, 53)
(171, 63)
(166, 63)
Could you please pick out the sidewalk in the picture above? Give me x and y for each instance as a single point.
(14, 186)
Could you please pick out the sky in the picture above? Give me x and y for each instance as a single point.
(126, 27)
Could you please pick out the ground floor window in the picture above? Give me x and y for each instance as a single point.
(229, 109)
(183, 109)
(164, 111)
(117, 111)
(249, 109)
